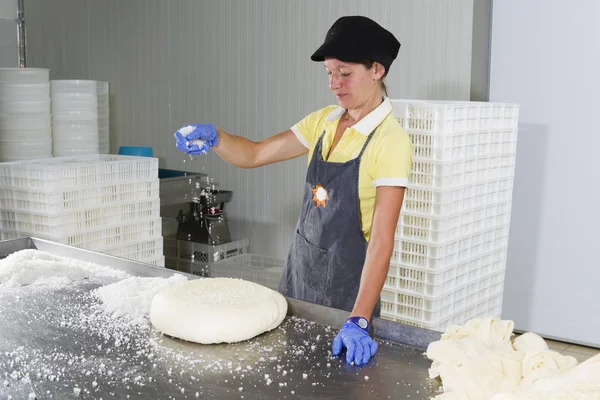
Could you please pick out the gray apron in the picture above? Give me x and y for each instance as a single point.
(327, 253)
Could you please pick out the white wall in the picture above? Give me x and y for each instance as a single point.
(8, 9)
(244, 65)
(545, 57)
(9, 49)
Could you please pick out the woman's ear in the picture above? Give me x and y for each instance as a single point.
(378, 71)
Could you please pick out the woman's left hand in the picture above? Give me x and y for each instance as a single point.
(359, 345)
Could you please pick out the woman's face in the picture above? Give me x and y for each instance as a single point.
(353, 84)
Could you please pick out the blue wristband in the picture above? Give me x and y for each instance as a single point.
(360, 322)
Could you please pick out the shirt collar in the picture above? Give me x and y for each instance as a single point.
(366, 125)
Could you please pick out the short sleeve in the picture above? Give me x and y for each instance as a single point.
(394, 161)
(306, 130)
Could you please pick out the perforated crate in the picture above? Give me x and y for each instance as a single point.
(491, 239)
(454, 224)
(440, 175)
(82, 199)
(105, 238)
(434, 229)
(457, 146)
(434, 283)
(426, 309)
(431, 255)
(454, 116)
(60, 173)
(68, 223)
(438, 117)
(490, 307)
(143, 250)
(450, 201)
(256, 268)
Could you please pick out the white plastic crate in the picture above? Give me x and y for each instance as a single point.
(437, 256)
(68, 223)
(59, 173)
(435, 283)
(428, 255)
(448, 174)
(453, 230)
(436, 230)
(456, 146)
(78, 200)
(440, 175)
(256, 268)
(142, 250)
(491, 239)
(8, 235)
(454, 116)
(491, 307)
(430, 310)
(445, 202)
(104, 238)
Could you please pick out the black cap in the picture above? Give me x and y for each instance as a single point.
(356, 37)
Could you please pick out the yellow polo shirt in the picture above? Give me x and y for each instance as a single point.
(387, 160)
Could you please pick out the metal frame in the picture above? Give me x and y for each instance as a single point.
(21, 37)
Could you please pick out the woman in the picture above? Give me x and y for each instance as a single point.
(359, 162)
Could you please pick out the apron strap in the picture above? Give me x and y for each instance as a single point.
(320, 141)
(366, 143)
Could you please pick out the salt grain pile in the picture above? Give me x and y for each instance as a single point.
(28, 267)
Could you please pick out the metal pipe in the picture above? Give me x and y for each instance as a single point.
(21, 38)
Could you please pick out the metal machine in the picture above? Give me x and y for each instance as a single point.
(205, 220)
(195, 228)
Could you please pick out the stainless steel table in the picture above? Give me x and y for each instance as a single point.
(54, 344)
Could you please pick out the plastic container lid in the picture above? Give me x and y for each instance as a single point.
(24, 75)
(135, 151)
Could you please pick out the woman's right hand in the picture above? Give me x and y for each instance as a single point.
(237, 150)
(196, 139)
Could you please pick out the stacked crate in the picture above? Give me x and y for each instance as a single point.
(104, 203)
(449, 258)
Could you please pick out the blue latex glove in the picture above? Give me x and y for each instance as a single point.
(196, 139)
(359, 345)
